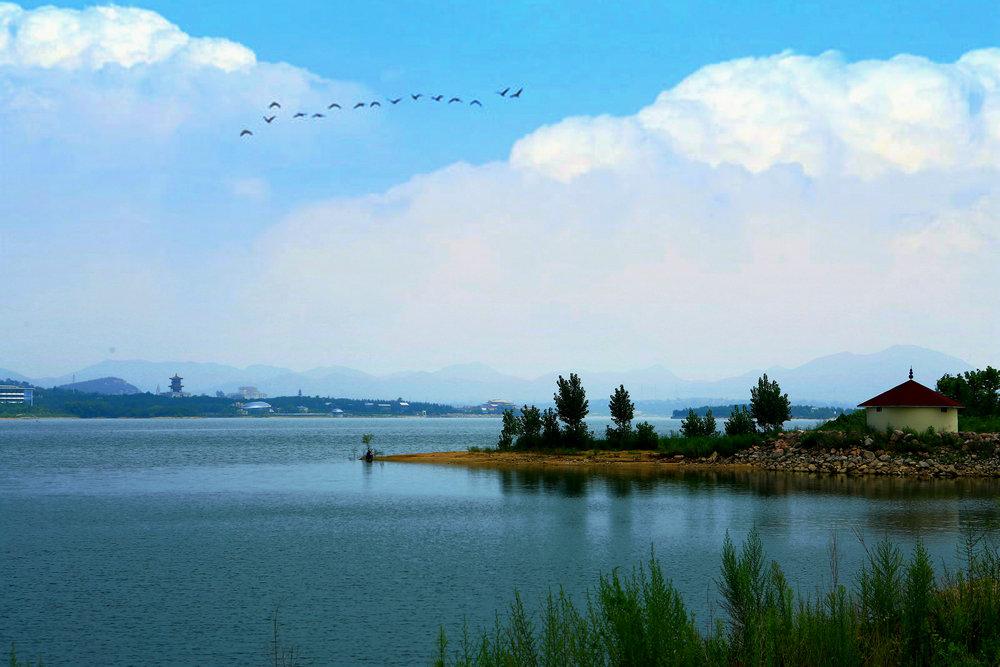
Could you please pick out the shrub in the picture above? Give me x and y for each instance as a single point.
(694, 426)
(645, 436)
(511, 429)
(769, 407)
(740, 422)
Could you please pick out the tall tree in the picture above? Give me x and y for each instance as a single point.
(550, 428)
(622, 413)
(572, 406)
(740, 422)
(768, 406)
(692, 426)
(708, 423)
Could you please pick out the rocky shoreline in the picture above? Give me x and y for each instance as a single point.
(973, 455)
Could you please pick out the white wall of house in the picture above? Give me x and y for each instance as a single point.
(942, 420)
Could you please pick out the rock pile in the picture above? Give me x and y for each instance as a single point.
(971, 455)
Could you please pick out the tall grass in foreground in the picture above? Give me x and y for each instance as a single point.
(896, 612)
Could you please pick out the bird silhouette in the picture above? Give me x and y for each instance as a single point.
(268, 119)
(438, 98)
(454, 99)
(318, 115)
(518, 93)
(503, 93)
(394, 101)
(374, 104)
(273, 105)
(416, 96)
(299, 115)
(475, 102)
(334, 106)
(359, 105)
(246, 133)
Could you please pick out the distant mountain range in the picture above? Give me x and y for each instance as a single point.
(839, 379)
(108, 385)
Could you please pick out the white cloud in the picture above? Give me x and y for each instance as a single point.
(96, 37)
(762, 210)
(822, 113)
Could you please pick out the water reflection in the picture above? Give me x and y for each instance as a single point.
(876, 504)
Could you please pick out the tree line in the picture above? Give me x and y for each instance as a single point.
(565, 427)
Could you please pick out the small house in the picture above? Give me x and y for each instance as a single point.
(911, 405)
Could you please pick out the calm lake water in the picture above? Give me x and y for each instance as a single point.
(172, 541)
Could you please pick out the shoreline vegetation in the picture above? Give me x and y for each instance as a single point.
(752, 437)
(895, 611)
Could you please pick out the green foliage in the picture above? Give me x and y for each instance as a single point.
(622, 412)
(768, 406)
(699, 446)
(855, 423)
(551, 435)
(531, 428)
(367, 438)
(740, 422)
(572, 407)
(978, 424)
(510, 430)
(694, 426)
(645, 436)
(897, 613)
(978, 391)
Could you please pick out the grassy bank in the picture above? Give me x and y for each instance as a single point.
(895, 611)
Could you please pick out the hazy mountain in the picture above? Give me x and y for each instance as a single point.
(109, 385)
(844, 379)
(11, 375)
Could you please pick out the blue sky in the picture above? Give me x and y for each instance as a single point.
(818, 177)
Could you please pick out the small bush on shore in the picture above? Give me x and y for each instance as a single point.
(898, 612)
(725, 445)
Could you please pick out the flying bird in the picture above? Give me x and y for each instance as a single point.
(318, 115)
(246, 133)
(503, 93)
(334, 106)
(475, 102)
(416, 96)
(359, 105)
(394, 101)
(518, 93)
(299, 115)
(454, 99)
(374, 104)
(273, 105)
(438, 98)
(268, 119)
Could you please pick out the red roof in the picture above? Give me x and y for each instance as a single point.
(911, 394)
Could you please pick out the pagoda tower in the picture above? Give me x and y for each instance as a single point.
(175, 384)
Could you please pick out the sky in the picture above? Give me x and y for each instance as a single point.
(708, 186)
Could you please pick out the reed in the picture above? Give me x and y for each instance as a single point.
(897, 611)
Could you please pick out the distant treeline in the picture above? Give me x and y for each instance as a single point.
(68, 403)
(798, 411)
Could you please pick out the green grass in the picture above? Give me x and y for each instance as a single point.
(725, 445)
(979, 424)
(897, 611)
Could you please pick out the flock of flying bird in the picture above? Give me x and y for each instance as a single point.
(272, 114)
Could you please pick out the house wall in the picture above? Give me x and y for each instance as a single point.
(918, 419)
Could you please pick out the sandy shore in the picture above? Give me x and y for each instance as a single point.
(604, 459)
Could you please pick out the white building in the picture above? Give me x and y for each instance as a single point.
(10, 393)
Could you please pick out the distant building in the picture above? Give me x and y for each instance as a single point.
(911, 405)
(257, 408)
(248, 393)
(496, 406)
(10, 393)
(175, 384)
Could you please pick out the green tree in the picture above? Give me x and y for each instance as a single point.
(550, 429)
(511, 429)
(692, 426)
(768, 406)
(572, 406)
(622, 412)
(708, 424)
(531, 428)
(645, 436)
(978, 391)
(740, 422)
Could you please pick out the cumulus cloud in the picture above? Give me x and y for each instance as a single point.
(826, 115)
(96, 37)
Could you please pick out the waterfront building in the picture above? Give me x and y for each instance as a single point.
(10, 393)
(911, 405)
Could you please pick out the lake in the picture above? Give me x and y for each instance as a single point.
(172, 541)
